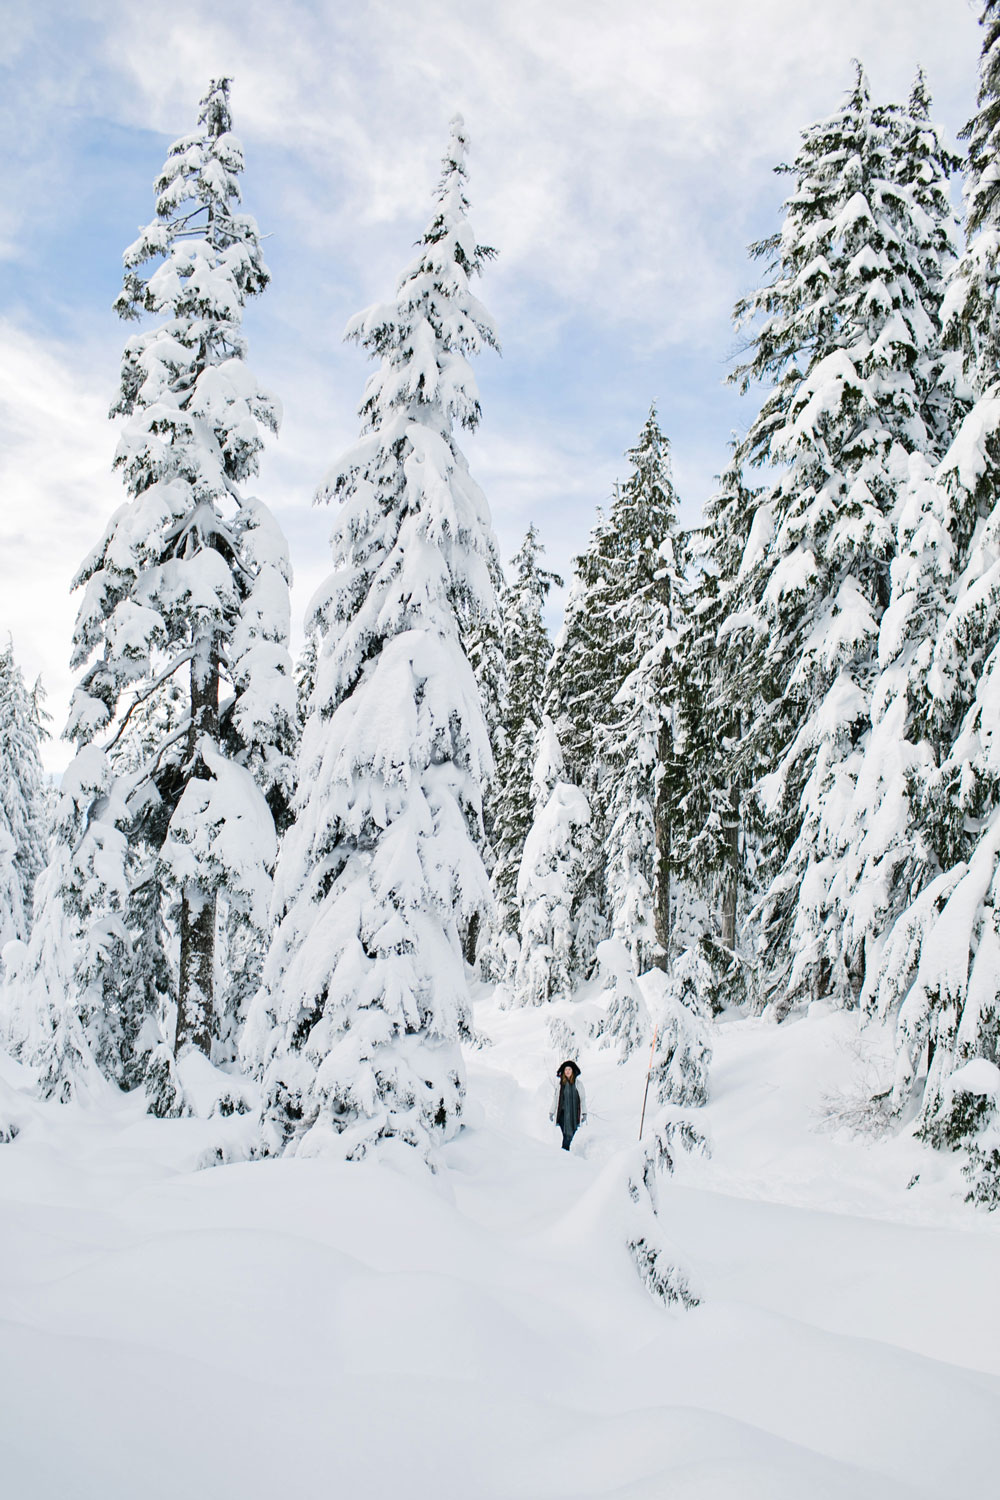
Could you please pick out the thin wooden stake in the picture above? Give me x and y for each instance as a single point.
(652, 1053)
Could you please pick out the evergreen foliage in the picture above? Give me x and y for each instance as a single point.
(937, 971)
(636, 742)
(355, 1029)
(607, 694)
(183, 716)
(847, 327)
(551, 882)
(23, 812)
(526, 651)
(717, 691)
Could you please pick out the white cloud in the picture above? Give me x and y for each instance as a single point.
(58, 490)
(622, 158)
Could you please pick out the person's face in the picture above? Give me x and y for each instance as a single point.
(568, 1074)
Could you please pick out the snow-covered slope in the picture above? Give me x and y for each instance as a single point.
(301, 1327)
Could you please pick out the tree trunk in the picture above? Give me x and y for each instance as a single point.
(195, 1009)
(730, 886)
(470, 941)
(195, 991)
(662, 837)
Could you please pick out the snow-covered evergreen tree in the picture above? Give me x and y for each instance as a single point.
(355, 1029)
(938, 970)
(183, 716)
(23, 813)
(715, 692)
(643, 600)
(606, 694)
(850, 336)
(483, 644)
(551, 880)
(527, 650)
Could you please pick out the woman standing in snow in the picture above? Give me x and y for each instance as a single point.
(569, 1105)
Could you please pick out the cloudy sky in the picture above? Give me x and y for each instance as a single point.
(622, 159)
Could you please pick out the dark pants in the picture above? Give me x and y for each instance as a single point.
(568, 1134)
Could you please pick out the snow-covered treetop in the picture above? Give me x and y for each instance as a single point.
(644, 517)
(188, 548)
(983, 131)
(409, 512)
(525, 640)
(188, 372)
(211, 252)
(859, 265)
(424, 336)
(970, 314)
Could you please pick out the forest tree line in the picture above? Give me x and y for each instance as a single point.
(757, 768)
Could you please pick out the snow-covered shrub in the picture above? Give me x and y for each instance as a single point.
(624, 1020)
(654, 1259)
(969, 1106)
(562, 1036)
(982, 1171)
(671, 1134)
(683, 1052)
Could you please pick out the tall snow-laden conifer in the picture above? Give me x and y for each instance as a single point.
(356, 1027)
(850, 336)
(526, 649)
(607, 695)
(636, 742)
(184, 713)
(23, 813)
(713, 690)
(938, 971)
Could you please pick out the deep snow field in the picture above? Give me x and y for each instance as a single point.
(304, 1328)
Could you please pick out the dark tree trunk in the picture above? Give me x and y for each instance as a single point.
(471, 940)
(662, 835)
(730, 886)
(195, 993)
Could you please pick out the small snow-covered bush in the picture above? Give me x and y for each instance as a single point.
(674, 1134)
(968, 1108)
(655, 1259)
(683, 1050)
(562, 1036)
(858, 1111)
(664, 1280)
(624, 1022)
(982, 1172)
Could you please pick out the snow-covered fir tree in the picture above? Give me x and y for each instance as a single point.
(23, 811)
(608, 697)
(551, 880)
(643, 600)
(356, 1027)
(183, 716)
(937, 972)
(483, 644)
(527, 650)
(849, 334)
(712, 688)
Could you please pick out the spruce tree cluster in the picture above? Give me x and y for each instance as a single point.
(757, 767)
